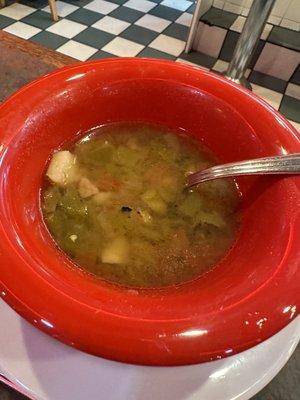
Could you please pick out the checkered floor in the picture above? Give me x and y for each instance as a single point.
(93, 29)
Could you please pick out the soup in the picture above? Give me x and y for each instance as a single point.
(117, 204)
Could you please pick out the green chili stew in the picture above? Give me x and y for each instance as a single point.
(116, 203)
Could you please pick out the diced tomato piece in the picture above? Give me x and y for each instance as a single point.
(108, 183)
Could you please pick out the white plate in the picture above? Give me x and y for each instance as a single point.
(45, 369)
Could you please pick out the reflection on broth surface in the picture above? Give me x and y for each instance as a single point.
(116, 203)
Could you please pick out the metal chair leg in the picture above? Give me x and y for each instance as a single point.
(53, 10)
(193, 28)
(248, 40)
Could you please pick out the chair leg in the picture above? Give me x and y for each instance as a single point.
(53, 9)
(2, 3)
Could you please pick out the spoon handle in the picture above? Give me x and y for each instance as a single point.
(286, 164)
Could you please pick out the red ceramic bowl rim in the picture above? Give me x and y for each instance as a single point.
(146, 341)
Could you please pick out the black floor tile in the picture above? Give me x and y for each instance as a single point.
(101, 54)
(268, 81)
(296, 76)
(191, 9)
(256, 54)
(120, 2)
(290, 108)
(35, 4)
(39, 19)
(84, 16)
(165, 12)
(217, 17)
(152, 53)
(94, 37)
(5, 21)
(49, 39)
(199, 58)
(229, 44)
(79, 3)
(126, 14)
(139, 34)
(177, 31)
(285, 37)
(228, 47)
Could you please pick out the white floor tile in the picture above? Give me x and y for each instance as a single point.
(17, 11)
(247, 73)
(66, 28)
(277, 61)
(245, 11)
(274, 20)
(233, 8)
(123, 47)
(181, 5)
(266, 31)
(154, 23)
(293, 91)
(219, 4)
(63, 9)
(287, 23)
(271, 97)
(101, 6)
(111, 25)
(220, 66)
(238, 24)
(181, 60)
(77, 50)
(184, 19)
(168, 45)
(140, 5)
(22, 30)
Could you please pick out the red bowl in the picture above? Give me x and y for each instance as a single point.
(246, 298)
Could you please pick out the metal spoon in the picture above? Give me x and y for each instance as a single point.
(286, 164)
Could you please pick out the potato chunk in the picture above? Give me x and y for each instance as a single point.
(116, 252)
(62, 169)
(86, 188)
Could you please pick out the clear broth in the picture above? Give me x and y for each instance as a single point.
(121, 210)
